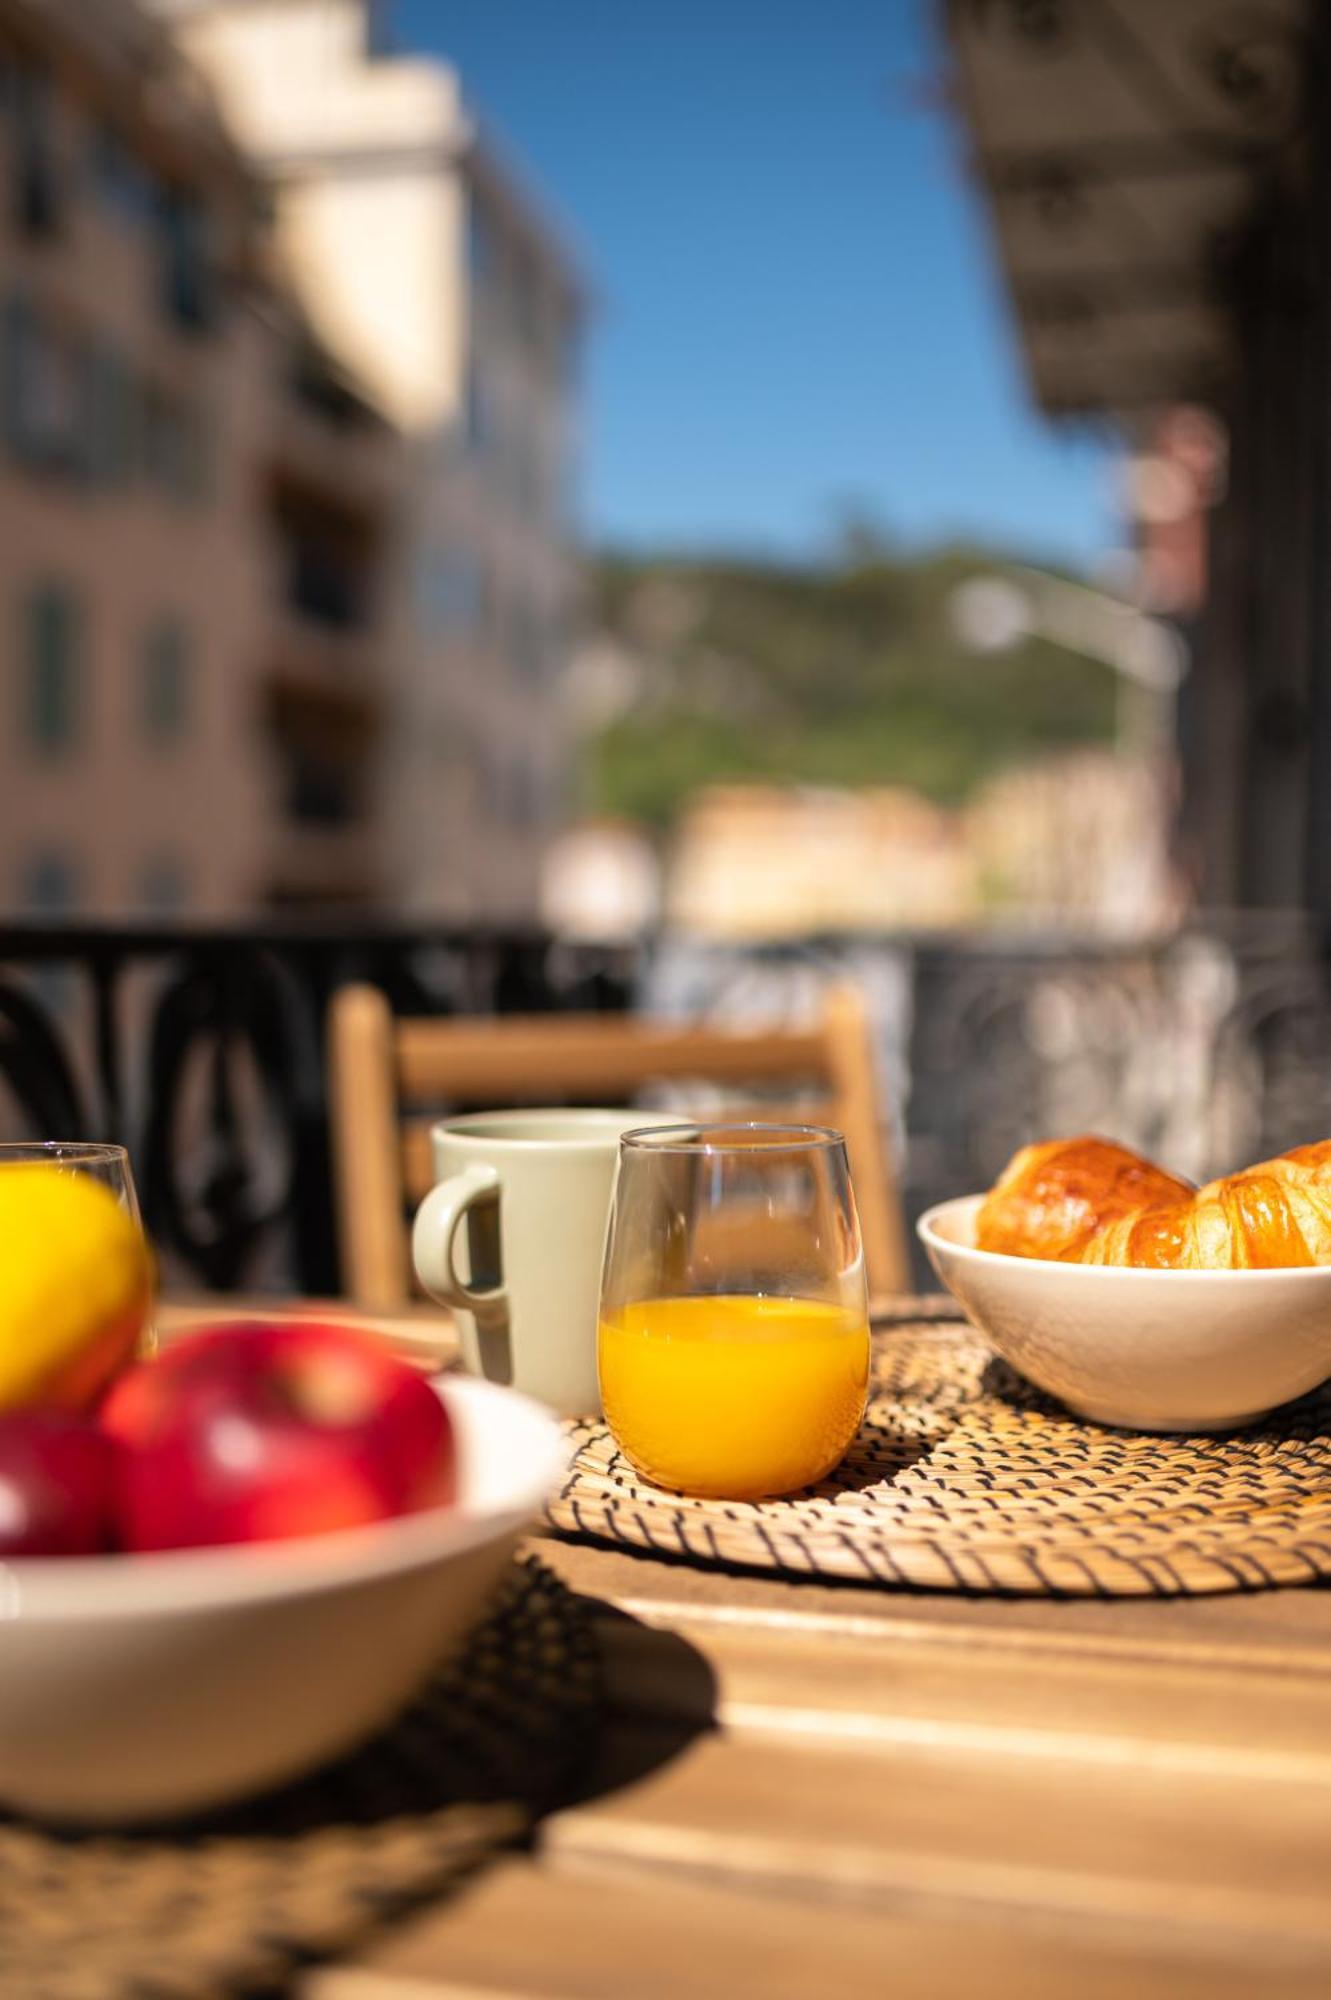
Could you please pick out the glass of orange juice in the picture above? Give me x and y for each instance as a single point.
(734, 1332)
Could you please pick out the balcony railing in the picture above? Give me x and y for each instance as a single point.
(202, 1049)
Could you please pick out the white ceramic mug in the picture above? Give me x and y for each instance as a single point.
(524, 1276)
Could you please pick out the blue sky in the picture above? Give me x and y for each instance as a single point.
(797, 310)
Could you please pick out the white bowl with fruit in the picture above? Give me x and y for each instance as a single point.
(225, 1565)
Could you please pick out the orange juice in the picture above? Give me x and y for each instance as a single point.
(734, 1397)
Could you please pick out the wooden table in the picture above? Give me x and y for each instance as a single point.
(808, 1790)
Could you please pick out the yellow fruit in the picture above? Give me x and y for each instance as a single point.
(75, 1287)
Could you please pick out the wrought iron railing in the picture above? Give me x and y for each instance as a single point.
(201, 1047)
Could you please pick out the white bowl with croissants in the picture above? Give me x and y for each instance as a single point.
(1139, 1300)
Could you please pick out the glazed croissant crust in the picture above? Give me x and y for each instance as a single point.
(1088, 1201)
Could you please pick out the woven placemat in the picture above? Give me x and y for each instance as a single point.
(965, 1478)
(233, 1904)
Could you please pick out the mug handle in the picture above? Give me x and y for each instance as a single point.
(434, 1241)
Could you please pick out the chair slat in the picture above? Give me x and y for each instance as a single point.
(371, 1242)
(508, 1059)
(418, 1174)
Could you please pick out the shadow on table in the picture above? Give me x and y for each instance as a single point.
(658, 1695)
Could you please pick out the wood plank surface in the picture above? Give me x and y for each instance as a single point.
(527, 1929)
(889, 1687)
(958, 1825)
(1266, 1625)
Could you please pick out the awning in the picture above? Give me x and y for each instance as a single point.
(1124, 145)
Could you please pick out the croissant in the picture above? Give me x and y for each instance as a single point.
(1052, 1199)
(1087, 1201)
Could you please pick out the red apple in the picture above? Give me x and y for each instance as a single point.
(257, 1431)
(57, 1485)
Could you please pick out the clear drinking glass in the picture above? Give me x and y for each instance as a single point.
(734, 1329)
(107, 1164)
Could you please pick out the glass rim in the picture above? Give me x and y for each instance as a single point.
(693, 1136)
(74, 1151)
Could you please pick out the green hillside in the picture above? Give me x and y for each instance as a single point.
(843, 675)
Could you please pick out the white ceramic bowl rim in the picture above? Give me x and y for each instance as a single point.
(151, 1585)
(964, 1208)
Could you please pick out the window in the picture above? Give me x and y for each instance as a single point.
(448, 590)
(328, 558)
(120, 182)
(567, 345)
(13, 72)
(480, 242)
(165, 681)
(18, 337)
(49, 883)
(550, 349)
(480, 418)
(163, 883)
(109, 441)
(173, 444)
(324, 585)
(71, 404)
(321, 790)
(45, 388)
(36, 192)
(525, 642)
(524, 298)
(189, 271)
(52, 665)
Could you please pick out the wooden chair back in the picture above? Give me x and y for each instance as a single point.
(385, 1073)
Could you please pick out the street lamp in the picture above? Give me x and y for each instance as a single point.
(994, 613)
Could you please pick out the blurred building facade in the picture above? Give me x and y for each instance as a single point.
(762, 862)
(755, 863)
(172, 457)
(444, 294)
(285, 568)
